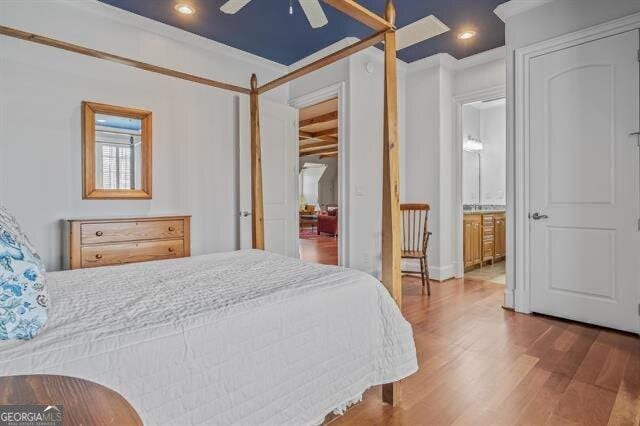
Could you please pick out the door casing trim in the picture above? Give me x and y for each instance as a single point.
(339, 90)
(521, 289)
(490, 93)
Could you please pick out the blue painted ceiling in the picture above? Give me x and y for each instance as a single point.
(265, 28)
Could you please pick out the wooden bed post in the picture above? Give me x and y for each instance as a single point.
(257, 209)
(391, 275)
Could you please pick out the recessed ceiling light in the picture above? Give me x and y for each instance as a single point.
(466, 35)
(185, 9)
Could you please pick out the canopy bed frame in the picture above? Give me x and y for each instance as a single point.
(384, 28)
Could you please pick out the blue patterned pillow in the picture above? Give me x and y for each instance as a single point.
(23, 296)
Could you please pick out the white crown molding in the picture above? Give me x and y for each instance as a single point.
(516, 7)
(447, 61)
(482, 58)
(174, 33)
(439, 59)
(341, 44)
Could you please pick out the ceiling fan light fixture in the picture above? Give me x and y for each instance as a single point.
(185, 9)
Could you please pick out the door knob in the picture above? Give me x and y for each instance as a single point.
(245, 213)
(538, 216)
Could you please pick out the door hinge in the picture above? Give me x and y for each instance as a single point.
(638, 55)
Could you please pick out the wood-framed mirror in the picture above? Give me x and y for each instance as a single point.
(116, 152)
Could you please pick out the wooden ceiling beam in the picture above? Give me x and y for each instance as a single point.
(324, 118)
(323, 62)
(322, 144)
(361, 14)
(331, 139)
(326, 152)
(329, 155)
(35, 38)
(327, 132)
(318, 150)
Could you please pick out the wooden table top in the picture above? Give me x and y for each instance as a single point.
(84, 402)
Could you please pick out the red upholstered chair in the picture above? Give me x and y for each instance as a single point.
(328, 221)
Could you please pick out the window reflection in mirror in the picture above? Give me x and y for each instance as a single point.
(118, 152)
(118, 141)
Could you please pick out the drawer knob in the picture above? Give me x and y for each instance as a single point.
(98, 256)
(99, 233)
(171, 229)
(171, 249)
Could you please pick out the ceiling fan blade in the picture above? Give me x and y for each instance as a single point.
(232, 6)
(314, 13)
(418, 31)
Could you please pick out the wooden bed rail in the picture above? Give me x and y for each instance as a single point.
(362, 14)
(35, 38)
(323, 62)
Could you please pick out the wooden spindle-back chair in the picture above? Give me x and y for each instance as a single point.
(415, 238)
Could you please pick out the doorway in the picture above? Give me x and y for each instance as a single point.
(319, 182)
(483, 188)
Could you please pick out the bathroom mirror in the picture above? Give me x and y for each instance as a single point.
(116, 152)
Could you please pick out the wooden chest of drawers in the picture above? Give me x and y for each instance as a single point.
(102, 242)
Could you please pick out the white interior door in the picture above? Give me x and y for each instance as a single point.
(584, 190)
(278, 133)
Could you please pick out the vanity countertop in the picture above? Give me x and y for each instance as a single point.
(484, 211)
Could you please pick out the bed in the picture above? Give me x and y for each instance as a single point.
(245, 337)
(238, 338)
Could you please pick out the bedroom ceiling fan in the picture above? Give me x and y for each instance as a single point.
(311, 8)
(411, 34)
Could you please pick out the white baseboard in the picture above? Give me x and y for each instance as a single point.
(438, 273)
(509, 298)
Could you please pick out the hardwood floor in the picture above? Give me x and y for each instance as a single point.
(319, 249)
(482, 365)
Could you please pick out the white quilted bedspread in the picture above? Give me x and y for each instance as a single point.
(246, 337)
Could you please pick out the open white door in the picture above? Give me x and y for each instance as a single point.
(278, 133)
(585, 241)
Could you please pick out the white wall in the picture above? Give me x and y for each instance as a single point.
(328, 184)
(195, 127)
(470, 128)
(493, 134)
(487, 124)
(471, 78)
(310, 181)
(433, 85)
(550, 20)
